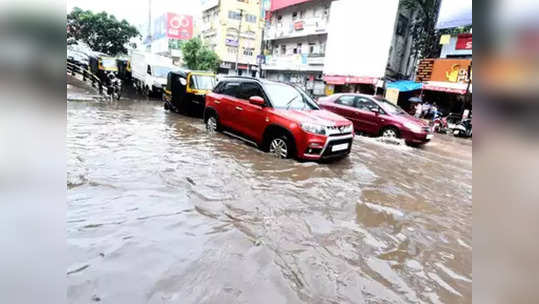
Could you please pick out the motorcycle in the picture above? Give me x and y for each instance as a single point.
(439, 124)
(463, 129)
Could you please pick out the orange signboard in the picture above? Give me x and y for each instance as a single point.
(445, 70)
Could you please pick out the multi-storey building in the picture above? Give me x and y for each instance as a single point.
(295, 41)
(233, 29)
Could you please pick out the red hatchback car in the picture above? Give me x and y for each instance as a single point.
(278, 118)
(377, 116)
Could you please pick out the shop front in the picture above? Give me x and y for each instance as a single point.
(448, 83)
(229, 68)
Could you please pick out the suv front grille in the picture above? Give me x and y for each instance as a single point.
(336, 131)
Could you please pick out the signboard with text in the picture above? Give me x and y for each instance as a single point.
(464, 42)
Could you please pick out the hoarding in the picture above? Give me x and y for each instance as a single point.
(359, 37)
(179, 26)
(464, 42)
(445, 70)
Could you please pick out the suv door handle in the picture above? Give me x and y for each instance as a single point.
(239, 108)
(217, 101)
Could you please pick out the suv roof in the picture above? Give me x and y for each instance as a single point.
(240, 78)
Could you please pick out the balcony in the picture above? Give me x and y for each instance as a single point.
(298, 28)
(296, 62)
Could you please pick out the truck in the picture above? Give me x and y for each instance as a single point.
(149, 72)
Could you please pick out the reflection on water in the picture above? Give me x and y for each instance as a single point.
(161, 212)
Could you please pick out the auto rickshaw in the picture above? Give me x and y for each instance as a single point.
(100, 64)
(186, 90)
(124, 70)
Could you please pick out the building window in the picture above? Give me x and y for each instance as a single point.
(234, 15)
(294, 15)
(283, 49)
(250, 18)
(402, 25)
(248, 51)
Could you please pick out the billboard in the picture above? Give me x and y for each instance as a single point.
(365, 52)
(173, 26)
(179, 26)
(445, 70)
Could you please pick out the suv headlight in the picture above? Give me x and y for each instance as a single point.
(312, 128)
(413, 127)
(348, 129)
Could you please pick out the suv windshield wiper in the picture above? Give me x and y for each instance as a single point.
(290, 101)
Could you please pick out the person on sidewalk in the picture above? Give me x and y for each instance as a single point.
(418, 110)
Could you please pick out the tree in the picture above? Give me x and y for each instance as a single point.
(198, 56)
(102, 32)
(425, 37)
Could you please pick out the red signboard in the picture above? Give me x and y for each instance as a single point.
(279, 4)
(179, 26)
(298, 25)
(464, 42)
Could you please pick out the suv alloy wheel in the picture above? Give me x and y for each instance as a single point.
(279, 147)
(212, 124)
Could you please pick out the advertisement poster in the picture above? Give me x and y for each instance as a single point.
(179, 26)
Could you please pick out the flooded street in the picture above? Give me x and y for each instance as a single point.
(159, 211)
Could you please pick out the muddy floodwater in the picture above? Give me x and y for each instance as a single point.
(159, 211)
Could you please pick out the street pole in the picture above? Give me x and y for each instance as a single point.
(149, 36)
(239, 37)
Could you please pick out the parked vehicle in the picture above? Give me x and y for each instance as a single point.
(439, 124)
(186, 90)
(124, 70)
(101, 64)
(377, 116)
(277, 118)
(149, 72)
(463, 129)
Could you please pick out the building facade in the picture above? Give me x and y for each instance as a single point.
(295, 41)
(233, 29)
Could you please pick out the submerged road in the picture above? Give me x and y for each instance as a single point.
(159, 211)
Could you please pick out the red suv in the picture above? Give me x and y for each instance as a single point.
(278, 118)
(378, 116)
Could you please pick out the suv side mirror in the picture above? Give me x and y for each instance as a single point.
(257, 100)
(375, 110)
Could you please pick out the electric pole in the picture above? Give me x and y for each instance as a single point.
(239, 37)
(149, 36)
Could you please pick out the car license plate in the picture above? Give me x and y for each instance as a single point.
(339, 147)
(429, 136)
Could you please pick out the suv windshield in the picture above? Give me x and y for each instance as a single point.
(202, 82)
(160, 71)
(284, 96)
(389, 107)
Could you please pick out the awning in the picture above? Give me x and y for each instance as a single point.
(405, 85)
(448, 87)
(337, 79)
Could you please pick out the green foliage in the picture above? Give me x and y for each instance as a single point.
(197, 56)
(425, 37)
(102, 32)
